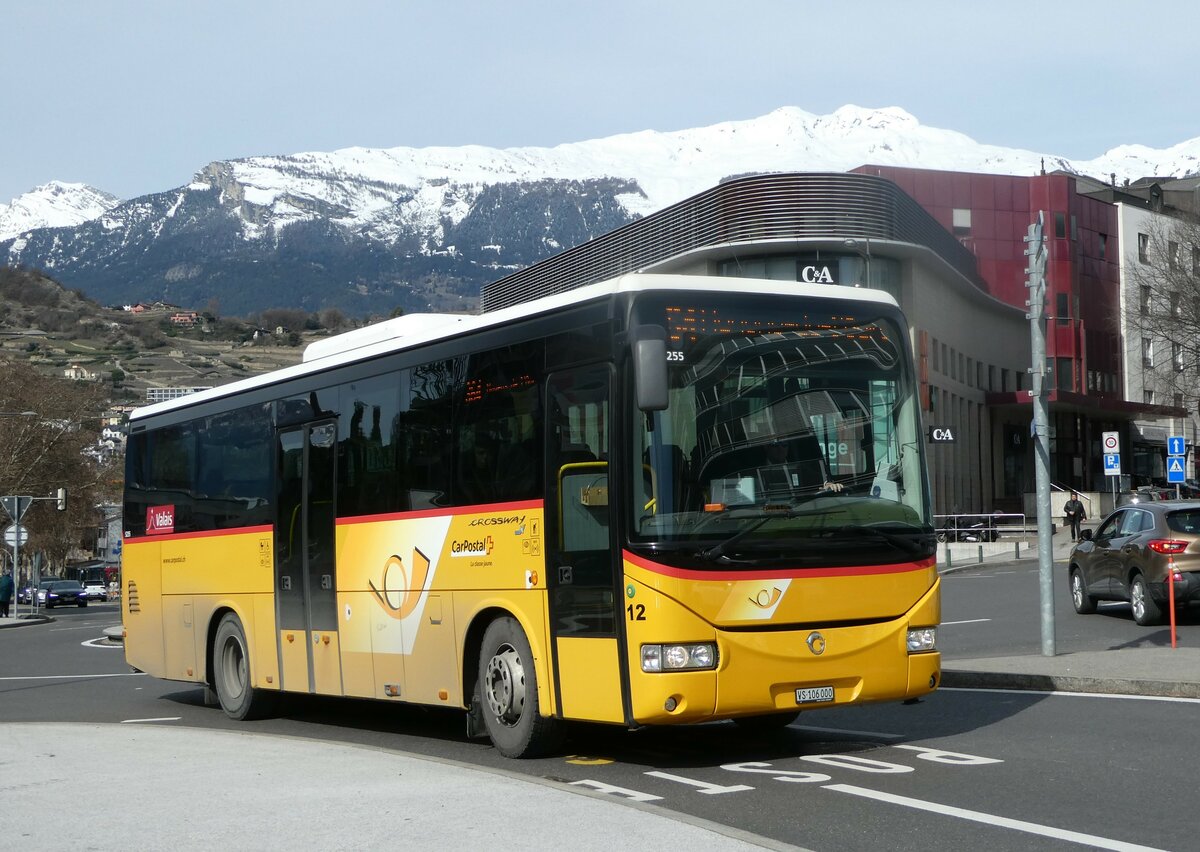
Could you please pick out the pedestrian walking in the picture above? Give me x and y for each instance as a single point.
(6, 593)
(1074, 515)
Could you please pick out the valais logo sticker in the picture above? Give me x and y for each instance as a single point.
(160, 520)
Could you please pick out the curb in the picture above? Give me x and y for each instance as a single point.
(1063, 683)
(25, 621)
(116, 634)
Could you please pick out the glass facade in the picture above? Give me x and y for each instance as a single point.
(855, 269)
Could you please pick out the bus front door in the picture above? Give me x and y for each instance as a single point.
(305, 567)
(580, 559)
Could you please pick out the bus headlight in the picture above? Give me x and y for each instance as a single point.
(660, 658)
(921, 639)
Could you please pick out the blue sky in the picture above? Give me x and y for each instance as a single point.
(134, 96)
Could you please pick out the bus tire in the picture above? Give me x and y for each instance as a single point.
(232, 676)
(508, 692)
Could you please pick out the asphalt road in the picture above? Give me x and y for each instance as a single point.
(961, 769)
(995, 611)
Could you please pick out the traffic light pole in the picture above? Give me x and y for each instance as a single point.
(16, 507)
(1041, 426)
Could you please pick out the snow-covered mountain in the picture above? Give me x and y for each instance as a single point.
(367, 228)
(53, 205)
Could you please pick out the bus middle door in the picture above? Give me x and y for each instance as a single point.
(305, 564)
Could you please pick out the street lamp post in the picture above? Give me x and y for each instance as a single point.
(16, 546)
(852, 244)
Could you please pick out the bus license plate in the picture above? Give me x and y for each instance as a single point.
(814, 694)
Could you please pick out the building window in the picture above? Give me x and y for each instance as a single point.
(1176, 308)
(1060, 225)
(1196, 260)
(1103, 245)
(1177, 356)
(1148, 397)
(1066, 374)
(1147, 352)
(962, 222)
(1179, 400)
(1172, 254)
(1144, 300)
(945, 360)
(934, 348)
(1144, 248)
(1063, 308)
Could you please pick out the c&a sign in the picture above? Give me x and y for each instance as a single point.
(942, 435)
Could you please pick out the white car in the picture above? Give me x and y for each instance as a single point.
(95, 589)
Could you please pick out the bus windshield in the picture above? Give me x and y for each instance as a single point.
(792, 437)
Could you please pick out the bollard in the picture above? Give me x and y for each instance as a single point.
(949, 562)
(1171, 570)
(1016, 550)
(981, 553)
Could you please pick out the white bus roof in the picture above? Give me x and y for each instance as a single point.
(414, 330)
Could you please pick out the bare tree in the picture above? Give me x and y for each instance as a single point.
(1163, 306)
(49, 423)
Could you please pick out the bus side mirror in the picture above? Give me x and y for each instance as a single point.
(649, 350)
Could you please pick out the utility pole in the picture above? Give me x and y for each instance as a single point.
(1036, 283)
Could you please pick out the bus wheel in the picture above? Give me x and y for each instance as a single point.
(508, 687)
(767, 722)
(231, 673)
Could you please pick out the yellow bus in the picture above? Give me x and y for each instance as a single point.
(654, 500)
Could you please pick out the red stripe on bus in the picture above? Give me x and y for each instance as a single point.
(480, 509)
(778, 573)
(263, 528)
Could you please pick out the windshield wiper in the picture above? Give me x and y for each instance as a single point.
(709, 554)
(902, 541)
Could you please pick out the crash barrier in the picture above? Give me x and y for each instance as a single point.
(979, 536)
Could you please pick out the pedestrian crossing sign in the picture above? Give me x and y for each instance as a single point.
(1175, 469)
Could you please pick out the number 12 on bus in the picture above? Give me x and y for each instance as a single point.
(614, 505)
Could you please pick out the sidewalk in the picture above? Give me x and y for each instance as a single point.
(146, 786)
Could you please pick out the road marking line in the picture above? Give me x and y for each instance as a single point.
(159, 719)
(849, 732)
(1064, 694)
(990, 819)
(68, 677)
(968, 621)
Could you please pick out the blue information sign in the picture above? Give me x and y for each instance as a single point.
(1175, 446)
(1175, 469)
(1112, 464)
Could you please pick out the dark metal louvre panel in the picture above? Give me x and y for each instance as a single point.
(748, 209)
(131, 597)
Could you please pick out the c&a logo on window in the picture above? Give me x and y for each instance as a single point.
(160, 520)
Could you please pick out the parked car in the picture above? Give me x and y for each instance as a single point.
(1144, 494)
(95, 589)
(1129, 556)
(65, 592)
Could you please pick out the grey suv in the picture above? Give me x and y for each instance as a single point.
(1129, 556)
